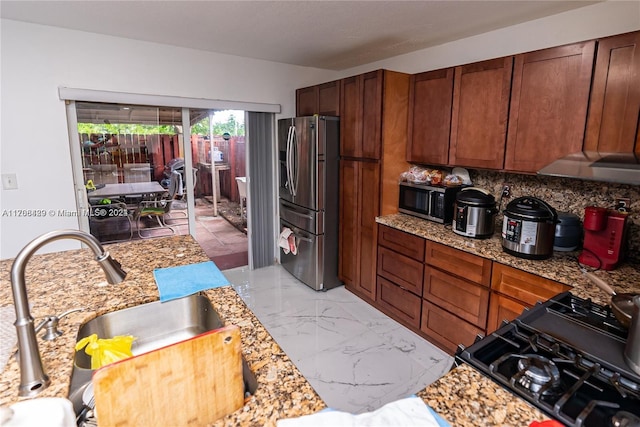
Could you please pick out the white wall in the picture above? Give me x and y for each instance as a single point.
(36, 60)
(590, 22)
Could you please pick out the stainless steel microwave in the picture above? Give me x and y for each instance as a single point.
(430, 202)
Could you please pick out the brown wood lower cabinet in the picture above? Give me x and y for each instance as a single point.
(402, 270)
(445, 329)
(447, 295)
(513, 290)
(503, 308)
(467, 300)
(398, 303)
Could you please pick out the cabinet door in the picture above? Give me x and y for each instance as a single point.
(329, 99)
(548, 105)
(615, 96)
(347, 239)
(307, 101)
(350, 117)
(481, 93)
(430, 98)
(359, 206)
(503, 308)
(522, 286)
(369, 208)
(371, 114)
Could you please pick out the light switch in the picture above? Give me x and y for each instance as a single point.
(9, 181)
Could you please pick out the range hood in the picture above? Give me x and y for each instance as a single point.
(621, 168)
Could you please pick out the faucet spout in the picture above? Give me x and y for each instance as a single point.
(33, 379)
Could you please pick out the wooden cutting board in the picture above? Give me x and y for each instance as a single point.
(193, 382)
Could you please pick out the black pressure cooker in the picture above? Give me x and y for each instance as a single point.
(474, 213)
(528, 228)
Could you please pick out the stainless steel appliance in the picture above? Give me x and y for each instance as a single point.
(474, 213)
(528, 228)
(431, 202)
(632, 349)
(308, 154)
(565, 357)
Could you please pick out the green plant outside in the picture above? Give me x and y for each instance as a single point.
(201, 128)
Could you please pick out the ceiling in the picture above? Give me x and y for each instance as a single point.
(333, 35)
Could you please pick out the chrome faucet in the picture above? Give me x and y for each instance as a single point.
(33, 379)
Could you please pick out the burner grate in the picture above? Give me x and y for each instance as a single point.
(593, 386)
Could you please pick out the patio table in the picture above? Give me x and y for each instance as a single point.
(128, 189)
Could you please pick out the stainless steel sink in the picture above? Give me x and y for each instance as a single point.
(154, 325)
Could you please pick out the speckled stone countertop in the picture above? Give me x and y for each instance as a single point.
(562, 266)
(59, 281)
(465, 397)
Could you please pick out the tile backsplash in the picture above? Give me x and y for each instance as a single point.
(566, 195)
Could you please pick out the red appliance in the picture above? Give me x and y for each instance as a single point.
(604, 237)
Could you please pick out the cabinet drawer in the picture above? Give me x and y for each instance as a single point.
(398, 303)
(446, 330)
(465, 299)
(462, 264)
(401, 242)
(522, 286)
(401, 270)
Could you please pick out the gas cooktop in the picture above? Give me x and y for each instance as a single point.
(565, 357)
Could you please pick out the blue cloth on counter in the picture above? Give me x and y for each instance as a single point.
(408, 412)
(184, 280)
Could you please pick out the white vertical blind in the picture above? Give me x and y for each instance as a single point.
(261, 193)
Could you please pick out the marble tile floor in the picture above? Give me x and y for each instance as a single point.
(355, 357)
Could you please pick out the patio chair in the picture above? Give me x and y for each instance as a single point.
(161, 211)
(109, 219)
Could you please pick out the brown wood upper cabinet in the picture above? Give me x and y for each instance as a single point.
(361, 115)
(430, 100)
(549, 101)
(614, 106)
(481, 93)
(323, 99)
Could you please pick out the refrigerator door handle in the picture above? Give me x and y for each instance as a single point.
(292, 209)
(299, 237)
(289, 139)
(293, 167)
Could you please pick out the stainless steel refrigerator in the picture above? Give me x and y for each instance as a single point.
(308, 154)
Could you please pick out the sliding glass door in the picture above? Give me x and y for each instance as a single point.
(130, 157)
(134, 170)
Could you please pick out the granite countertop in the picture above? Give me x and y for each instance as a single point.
(562, 266)
(59, 281)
